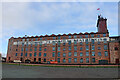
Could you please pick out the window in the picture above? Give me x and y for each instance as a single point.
(93, 47)
(93, 53)
(69, 60)
(99, 54)
(93, 59)
(105, 40)
(64, 60)
(30, 54)
(36, 39)
(105, 47)
(16, 49)
(106, 53)
(21, 54)
(86, 41)
(81, 48)
(30, 49)
(64, 37)
(40, 49)
(87, 48)
(53, 42)
(35, 49)
(87, 53)
(34, 59)
(63, 44)
(81, 54)
(104, 35)
(98, 42)
(75, 36)
(35, 43)
(21, 49)
(40, 38)
(58, 37)
(75, 48)
(64, 49)
(75, 53)
(39, 59)
(64, 54)
(99, 48)
(69, 37)
(98, 36)
(53, 48)
(45, 49)
(69, 42)
(35, 54)
(27, 44)
(26, 49)
(87, 60)
(16, 54)
(80, 36)
(25, 54)
(81, 43)
(53, 54)
(58, 42)
(86, 36)
(39, 53)
(58, 54)
(58, 59)
(116, 48)
(92, 35)
(93, 41)
(44, 59)
(22, 44)
(58, 48)
(81, 60)
(69, 54)
(44, 54)
(69, 48)
(75, 42)
(75, 60)
(53, 37)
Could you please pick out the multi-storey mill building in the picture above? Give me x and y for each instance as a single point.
(82, 48)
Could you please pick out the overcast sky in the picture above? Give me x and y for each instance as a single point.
(41, 18)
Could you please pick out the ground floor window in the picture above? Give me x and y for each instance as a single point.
(93, 59)
(81, 60)
(64, 60)
(75, 60)
(34, 59)
(58, 60)
(87, 60)
(69, 60)
(44, 59)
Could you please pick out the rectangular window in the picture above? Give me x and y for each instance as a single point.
(75, 53)
(87, 53)
(86, 41)
(44, 54)
(105, 40)
(35, 49)
(99, 54)
(106, 53)
(81, 60)
(104, 35)
(58, 37)
(81, 48)
(75, 60)
(69, 48)
(21, 49)
(58, 42)
(93, 59)
(69, 42)
(93, 41)
(30, 54)
(64, 49)
(86, 36)
(75, 42)
(63, 44)
(92, 35)
(25, 54)
(40, 38)
(93, 47)
(26, 49)
(81, 54)
(45, 49)
(105, 47)
(69, 37)
(36, 39)
(87, 48)
(99, 48)
(93, 53)
(81, 43)
(87, 60)
(69, 60)
(35, 54)
(69, 54)
(44, 59)
(80, 36)
(64, 60)
(53, 42)
(75, 36)
(21, 54)
(53, 54)
(98, 42)
(16, 54)
(53, 48)
(98, 36)
(58, 54)
(39, 53)
(35, 43)
(58, 48)
(58, 59)
(53, 37)
(40, 49)
(75, 48)
(64, 54)
(30, 49)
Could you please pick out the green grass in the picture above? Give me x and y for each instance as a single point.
(66, 66)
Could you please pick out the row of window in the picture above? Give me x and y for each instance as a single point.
(69, 48)
(75, 36)
(64, 54)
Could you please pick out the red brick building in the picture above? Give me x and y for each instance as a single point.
(82, 48)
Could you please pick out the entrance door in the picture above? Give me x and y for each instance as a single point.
(117, 61)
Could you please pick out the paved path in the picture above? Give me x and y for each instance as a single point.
(16, 71)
